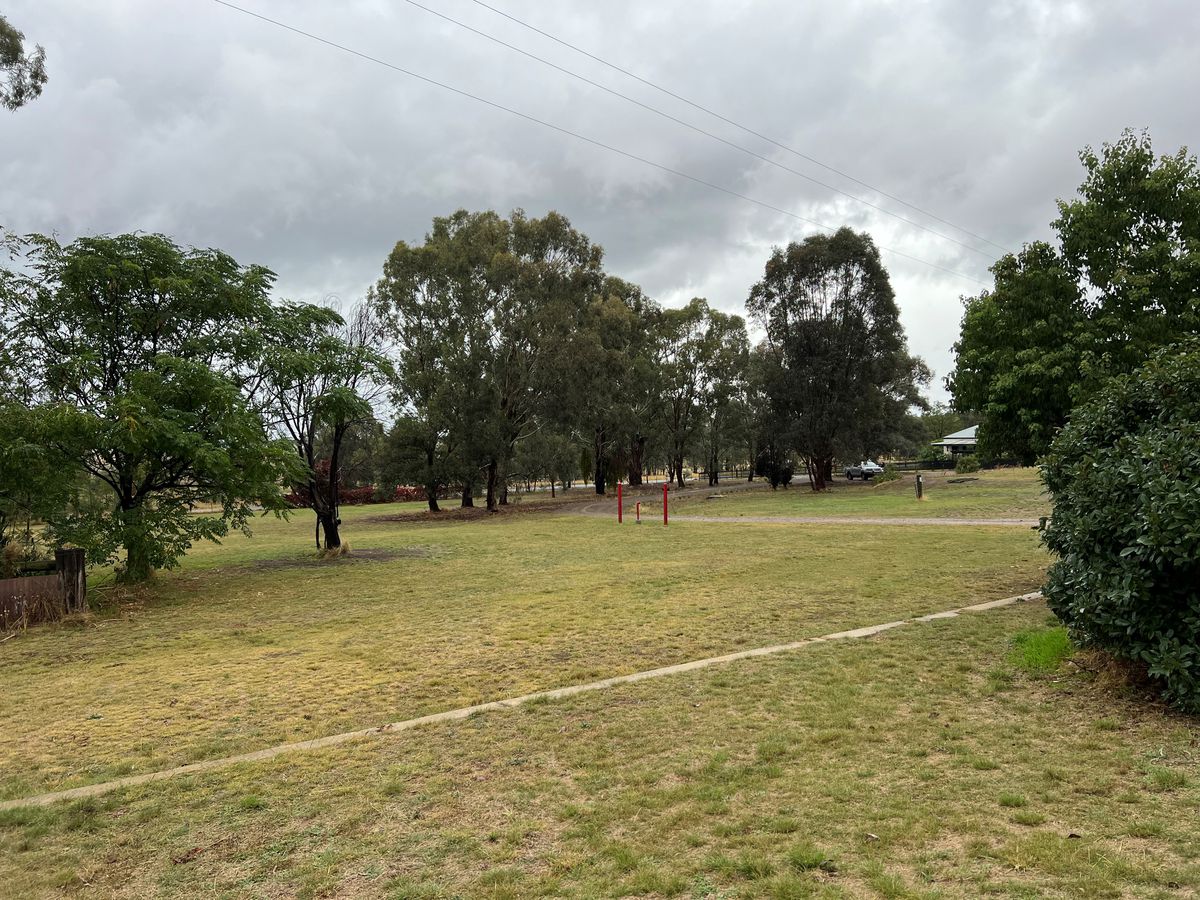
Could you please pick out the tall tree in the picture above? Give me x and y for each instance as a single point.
(477, 313)
(1018, 355)
(683, 378)
(604, 373)
(1060, 323)
(1132, 239)
(321, 375)
(836, 345)
(723, 371)
(138, 356)
(24, 73)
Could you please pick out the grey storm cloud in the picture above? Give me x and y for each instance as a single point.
(190, 118)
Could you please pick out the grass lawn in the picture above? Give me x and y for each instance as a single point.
(953, 758)
(252, 643)
(998, 494)
(924, 762)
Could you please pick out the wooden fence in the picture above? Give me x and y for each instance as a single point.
(43, 598)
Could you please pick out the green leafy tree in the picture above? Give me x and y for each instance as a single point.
(1018, 355)
(1132, 239)
(1124, 282)
(723, 370)
(320, 375)
(139, 355)
(1124, 475)
(604, 375)
(36, 483)
(477, 313)
(24, 73)
(838, 360)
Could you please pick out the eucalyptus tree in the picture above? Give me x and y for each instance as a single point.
(477, 314)
(701, 361)
(24, 72)
(321, 376)
(138, 358)
(604, 373)
(723, 372)
(835, 345)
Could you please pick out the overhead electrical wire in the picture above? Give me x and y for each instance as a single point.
(582, 137)
(746, 128)
(699, 130)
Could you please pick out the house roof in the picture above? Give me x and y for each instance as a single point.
(963, 438)
(967, 434)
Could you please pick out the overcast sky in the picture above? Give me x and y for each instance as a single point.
(187, 117)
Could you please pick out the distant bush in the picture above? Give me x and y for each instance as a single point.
(1124, 475)
(966, 463)
(889, 473)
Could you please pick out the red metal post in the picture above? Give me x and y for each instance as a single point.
(664, 503)
(619, 510)
(639, 513)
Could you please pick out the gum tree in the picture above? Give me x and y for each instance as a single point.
(835, 350)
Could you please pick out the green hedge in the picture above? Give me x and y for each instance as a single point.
(1125, 480)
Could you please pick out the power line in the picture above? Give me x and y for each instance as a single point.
(698, 129)
(593, 141)
(738, 125)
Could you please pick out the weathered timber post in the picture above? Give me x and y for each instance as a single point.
(920, 487)
(72, 572)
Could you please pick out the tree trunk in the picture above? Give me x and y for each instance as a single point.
(599, 459)
(468, 498)
(551, 488)
(492, 470)
(137, 561)
(431, 488)
(636, 451)
(679, 471)
(329, 525)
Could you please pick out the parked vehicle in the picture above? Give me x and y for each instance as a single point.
(865, 470)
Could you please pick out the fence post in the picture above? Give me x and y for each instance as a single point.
(72, 571)
(920, 487)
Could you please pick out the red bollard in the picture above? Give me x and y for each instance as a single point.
(619, 511)
(664, 503)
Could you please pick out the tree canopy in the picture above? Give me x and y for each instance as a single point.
(837, 362)
(1123, 282)
(138, 355)
(24, 73)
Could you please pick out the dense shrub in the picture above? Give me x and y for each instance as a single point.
(966, 463)
(1125, 479)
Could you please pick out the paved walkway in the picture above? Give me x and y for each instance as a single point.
(93, 790)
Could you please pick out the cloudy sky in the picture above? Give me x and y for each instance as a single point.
(194, 119)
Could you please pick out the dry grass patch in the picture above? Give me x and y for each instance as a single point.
(843, 770)
(223, 657)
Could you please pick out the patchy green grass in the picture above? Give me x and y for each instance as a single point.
(995, 494)
(254, 642)
(1041, 650)
(843, 770)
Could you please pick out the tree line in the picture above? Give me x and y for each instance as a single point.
(143, 381)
